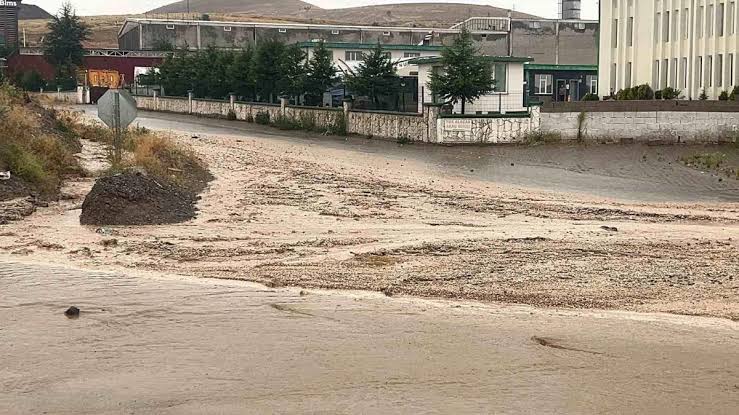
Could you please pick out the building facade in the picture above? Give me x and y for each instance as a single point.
(690, 45)
(9, 10)
(559, 83)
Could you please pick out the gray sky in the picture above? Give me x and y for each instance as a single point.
(546, 8)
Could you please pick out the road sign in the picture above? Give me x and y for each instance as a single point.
(114, 102)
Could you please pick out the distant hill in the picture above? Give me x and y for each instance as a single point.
(260, 7)
(411, 14)
(406, 14)
(32, 12)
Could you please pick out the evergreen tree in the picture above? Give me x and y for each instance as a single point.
(267, 68)
(321, 73)
(240, 75)
(465, 76)
(293, 73)
(63, 44)
(176, 73)
(375, 76)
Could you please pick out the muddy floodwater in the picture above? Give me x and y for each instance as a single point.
(147, 344)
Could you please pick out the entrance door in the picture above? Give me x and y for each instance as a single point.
(561, 94)
(574, 90)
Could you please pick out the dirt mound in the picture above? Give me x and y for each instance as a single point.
(133, 198)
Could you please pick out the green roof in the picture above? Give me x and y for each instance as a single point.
(492, 59)
(545, 67)
(348, 45)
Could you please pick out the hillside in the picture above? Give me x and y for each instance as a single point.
(32, 12)
(416, 14)
(260, 7)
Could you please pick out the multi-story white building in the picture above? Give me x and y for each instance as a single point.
(690, 45)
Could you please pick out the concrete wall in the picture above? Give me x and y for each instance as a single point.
(644, 121)
(389, 125)
(561, 42)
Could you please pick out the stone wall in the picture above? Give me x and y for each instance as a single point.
(427, 127)
(662, 126)
(487, 130)
(68, 97)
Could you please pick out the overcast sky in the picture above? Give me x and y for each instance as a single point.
(546, 8)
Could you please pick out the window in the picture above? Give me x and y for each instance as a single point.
(663, 75)
(592, 81)
(412, 55)
(335, 32)
(666, 27)
(386, 33)
(673, 73)
(543, 84)
(614, 73)
(709, 20)
(226, 28)
(731, 18)
(720, 19)
(501, 77)
(353, 56)
(730, 69)
(719, 70)
(684, 26)
(627, 82)
(675, 20)
(709, 71)
(655, 75)
(282, 30)
(699, 71)
(615, 33)
(534, 25)
(684, 73)
(657, 21)
(388, 55)
(170, 27)
(630, 31)
(699, 23)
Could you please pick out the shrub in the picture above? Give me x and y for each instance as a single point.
(249, 118)
(308, 121)
(338, 127)
(285, 123)
(734, 93)
(231, 116)
(30, 81)
(724, 96)
(658, 94)
(262, 118)
(624, 94)
(590, 97)
(166, 159)
(671, 93)
(542, 137)
(703, 95)
(643, 92)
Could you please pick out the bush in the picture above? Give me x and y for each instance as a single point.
(703, 95)
(262, 118)
(734, 93)
(542, 137)
(643, 92)
(31, 81)
(285, 123)
(231, 116)
(671, 93)
(166, 159)
(338, 127)
(658, 95)
(249, 118)
(590, 97)
(724, 96)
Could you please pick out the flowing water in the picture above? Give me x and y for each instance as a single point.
(170, 345)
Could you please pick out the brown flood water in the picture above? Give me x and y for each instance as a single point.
(170, 345)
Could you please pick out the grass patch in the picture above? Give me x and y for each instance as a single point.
(715, 161)
(542, 137)
(37, 145)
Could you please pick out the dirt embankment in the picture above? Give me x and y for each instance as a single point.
(157, 183)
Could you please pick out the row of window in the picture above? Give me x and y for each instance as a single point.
(544, 84)
(709, 72)
(358, 55)
(714, 21)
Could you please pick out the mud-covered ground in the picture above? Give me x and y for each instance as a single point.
(299, 212)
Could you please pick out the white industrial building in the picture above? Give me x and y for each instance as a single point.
(690, 45)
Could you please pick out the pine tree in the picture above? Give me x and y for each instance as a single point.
(293, 73)
(63, 44)
(267, 69)
(240, 74)
(321, 73)
(465, 76)
(375, 76)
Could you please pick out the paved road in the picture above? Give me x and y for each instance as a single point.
(154, 344)
(633, 172)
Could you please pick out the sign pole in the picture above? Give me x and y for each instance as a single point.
(117, 140)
